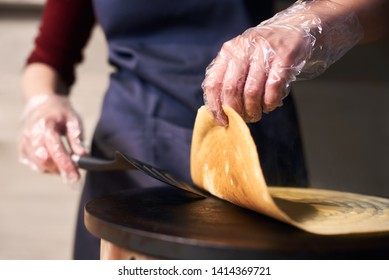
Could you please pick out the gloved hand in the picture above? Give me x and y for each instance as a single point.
(252, 72)
(47, 118)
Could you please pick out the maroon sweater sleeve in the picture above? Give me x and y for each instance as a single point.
(64, 31)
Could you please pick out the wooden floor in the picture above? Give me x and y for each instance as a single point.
(344, 117)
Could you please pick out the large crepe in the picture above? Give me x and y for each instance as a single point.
(225, 162)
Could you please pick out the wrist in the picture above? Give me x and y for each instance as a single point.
(329, 28)
(40, 78)
(34, 101)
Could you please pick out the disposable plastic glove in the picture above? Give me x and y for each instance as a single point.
(252, 72)
(47, 119)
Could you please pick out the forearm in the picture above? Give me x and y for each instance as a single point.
(335, 26)
(39, 78)
(373, 16)
(47, 117)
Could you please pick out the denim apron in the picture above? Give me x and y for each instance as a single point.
(159, 51)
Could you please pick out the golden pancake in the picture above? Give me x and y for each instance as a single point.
(225, 162)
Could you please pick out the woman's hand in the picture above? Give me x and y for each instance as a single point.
(47, 119)
(252, 72)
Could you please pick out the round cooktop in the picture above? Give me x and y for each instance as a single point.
(166, 223)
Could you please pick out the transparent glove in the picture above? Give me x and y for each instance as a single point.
(47, 119)
(252, 72)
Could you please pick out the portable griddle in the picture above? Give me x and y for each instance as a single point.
(166, 223)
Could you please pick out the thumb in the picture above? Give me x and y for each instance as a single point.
(74, 133)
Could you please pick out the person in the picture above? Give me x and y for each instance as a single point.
(159, 51)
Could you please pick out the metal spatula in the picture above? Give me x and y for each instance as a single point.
(122, 162)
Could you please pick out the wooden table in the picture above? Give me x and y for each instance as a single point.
(165, 223)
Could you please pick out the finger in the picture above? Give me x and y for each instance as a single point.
(235, 73)
(24, 156)
(286, 65)
(34, 154)
(253, 95)
(59, 155)
(74, 134)
(255, 83)
(275, 89)
(233, 85)
(212, 87)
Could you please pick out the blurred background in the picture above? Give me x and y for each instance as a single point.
(344, 119)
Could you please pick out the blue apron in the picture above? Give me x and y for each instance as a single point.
(159, 50)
